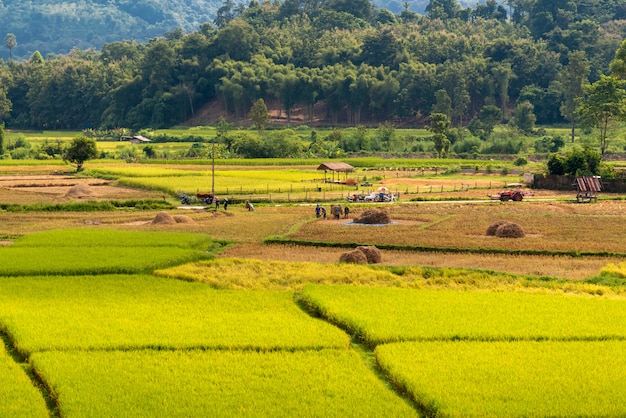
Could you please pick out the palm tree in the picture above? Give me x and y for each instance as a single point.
(10, 42)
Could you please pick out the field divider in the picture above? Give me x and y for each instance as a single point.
(425, 248)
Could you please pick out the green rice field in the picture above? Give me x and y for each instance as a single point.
(523, 378)
(217, 383)
(145, 321)
(382, 315)
(99, 251)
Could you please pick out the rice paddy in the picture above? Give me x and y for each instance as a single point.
(109, 314)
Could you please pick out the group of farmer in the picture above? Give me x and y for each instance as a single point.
(335, 210)
(211, 199)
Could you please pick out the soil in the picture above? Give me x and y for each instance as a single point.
(25, 189)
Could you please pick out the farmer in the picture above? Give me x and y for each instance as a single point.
(318, 210)
(324, 212)
(217, 202)
(249, 206)
(337, 211)
(225, 203)
(346, 212)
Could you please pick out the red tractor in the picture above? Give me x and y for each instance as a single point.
(515, 195)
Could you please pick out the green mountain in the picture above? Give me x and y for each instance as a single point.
(58, 26)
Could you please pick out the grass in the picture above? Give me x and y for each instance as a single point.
(137, 312)
(207, 383)
(382, 315)
(526, 378)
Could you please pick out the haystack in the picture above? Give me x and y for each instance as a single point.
(372, 253)
(354, 257)
(491, 231)
(163, 218)
(373, 217)
(183, 219)
(510, 230)
(79, 191)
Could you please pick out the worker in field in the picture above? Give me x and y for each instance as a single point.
(217, 202)
(337, 211)
(318, 210)
(346, 212)
(249, 206)
(225, 203)
(323, 213)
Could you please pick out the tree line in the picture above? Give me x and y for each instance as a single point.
(526, 59)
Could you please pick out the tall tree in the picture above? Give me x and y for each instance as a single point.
(439, 124)
(604, 102)
(10, 41)
(572, 78)
(259, 115)
(503, 73)
(1, 140)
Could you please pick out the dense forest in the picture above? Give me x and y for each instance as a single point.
(58, 26)
(365, 65)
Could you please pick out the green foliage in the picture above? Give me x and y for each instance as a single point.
(603, 104)
(578, 162)
(524, 117)
(80, 150)
(259, 115)
(549, 144)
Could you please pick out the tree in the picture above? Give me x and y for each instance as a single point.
(443, 9)
(439, 124)
(443, 103)
(10, 41)
(80, 150)
(1, 140)
(572, 79)
(524, 117)
(603, 103)
(503, 73)
(259, 115)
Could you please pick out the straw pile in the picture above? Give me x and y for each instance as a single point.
(505, 229)
(354, 257)
(372, 254)
(79, 191)
(373, 217)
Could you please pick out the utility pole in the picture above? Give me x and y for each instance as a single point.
(213, 168)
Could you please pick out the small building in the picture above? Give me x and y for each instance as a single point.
(136, 139)
(335, 168)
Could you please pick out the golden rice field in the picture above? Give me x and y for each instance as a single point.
(109, 313)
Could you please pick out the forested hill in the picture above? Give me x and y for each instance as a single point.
(334, 62)
(53, 26)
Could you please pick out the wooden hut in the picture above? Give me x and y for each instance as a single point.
(335, 168)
